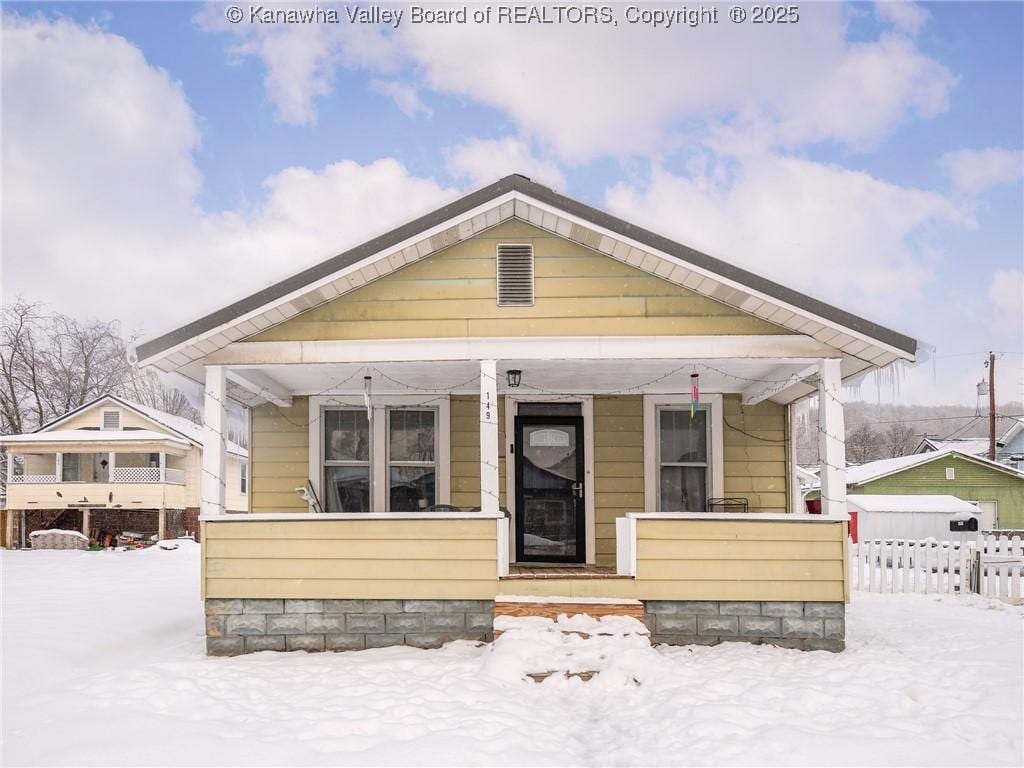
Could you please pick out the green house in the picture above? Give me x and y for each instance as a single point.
(997, 489)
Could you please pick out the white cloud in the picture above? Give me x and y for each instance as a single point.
(587, 91)
(1006, 294)
(840, 235)
(300, 60)
(483, 161)
(973, 171)
(903, 15)
(100, 215)
(405, 96)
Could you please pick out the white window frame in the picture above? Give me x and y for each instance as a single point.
(712, 403)
(243, 478)
(379, 478)
(103, 419)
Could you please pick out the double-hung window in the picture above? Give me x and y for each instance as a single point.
(394, 462)
(412, 462)
(683, 454)
(346, 457)
(683, 460)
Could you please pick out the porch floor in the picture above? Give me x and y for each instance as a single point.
(527, 572)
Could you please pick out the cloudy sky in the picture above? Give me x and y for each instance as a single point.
(159, 161)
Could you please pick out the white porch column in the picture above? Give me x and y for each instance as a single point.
(214, 442)
(831, 439)
(796, 502)
(489, 436)
(163, 467)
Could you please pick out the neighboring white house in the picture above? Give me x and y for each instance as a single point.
(109, 466)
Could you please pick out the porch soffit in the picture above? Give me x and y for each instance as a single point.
(863, 344)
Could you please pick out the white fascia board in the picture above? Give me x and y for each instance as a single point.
(425, 234)
(785, 349)
(714, 276)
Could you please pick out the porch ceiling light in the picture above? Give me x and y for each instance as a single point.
(515, 376)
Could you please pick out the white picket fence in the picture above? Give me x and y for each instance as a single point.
(988, 565)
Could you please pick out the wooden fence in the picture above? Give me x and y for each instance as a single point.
(987, 565)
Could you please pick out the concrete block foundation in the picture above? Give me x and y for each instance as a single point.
(247, 625)
(809, 626)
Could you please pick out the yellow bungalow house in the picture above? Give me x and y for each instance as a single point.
(111, 466)
(518, 403)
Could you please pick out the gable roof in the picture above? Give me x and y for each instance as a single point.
(976, 446)
(182, 427)
(865, 345)
(875, 470)
(1012, 432)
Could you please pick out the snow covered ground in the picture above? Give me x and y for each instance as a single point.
(103, 665)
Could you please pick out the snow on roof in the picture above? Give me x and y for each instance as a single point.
(94, 435)
(870, 502)
(976, 446)
(873, 470)
(189, 429)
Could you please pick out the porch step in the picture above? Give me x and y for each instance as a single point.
(555, 606)
(578, 646)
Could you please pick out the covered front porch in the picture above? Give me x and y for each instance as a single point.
(565, 436)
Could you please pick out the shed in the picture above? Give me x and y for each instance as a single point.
(889, 516)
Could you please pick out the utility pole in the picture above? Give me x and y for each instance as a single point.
(991, 406)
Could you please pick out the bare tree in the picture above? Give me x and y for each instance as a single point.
(862, 444)
(51, 363)
(146, 388)
(899, 439)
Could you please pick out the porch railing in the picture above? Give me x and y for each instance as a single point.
(33, 479)
(117, 475)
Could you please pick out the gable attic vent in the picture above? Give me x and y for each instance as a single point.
(110, 418)
(515, 275)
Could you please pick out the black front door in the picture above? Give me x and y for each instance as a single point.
(549, 489)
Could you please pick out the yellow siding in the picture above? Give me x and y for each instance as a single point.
(755, 453)
(741, 560)
(618, 467)
(90, 419)
(465, 451)
(128, 495)
(578, 293)
(279, 456)
(454, 559)
(676, 560)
